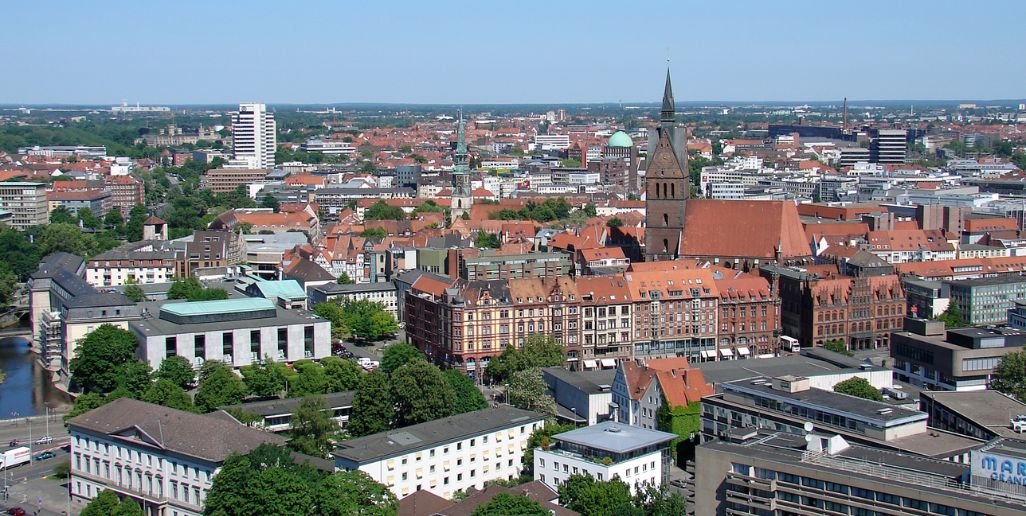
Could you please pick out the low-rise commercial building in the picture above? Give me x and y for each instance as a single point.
(987, 300)
(979, 414)
(796, 474)
(928, 356)
(98, 201)
(637, 456)
(276, 415)
(224, 180)
(237, 332)
(445, 455)
(581, 396)
(383, 293)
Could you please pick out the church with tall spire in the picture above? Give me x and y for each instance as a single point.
(667, 185)
(462, 194)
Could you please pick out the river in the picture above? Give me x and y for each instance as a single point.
(26, 389)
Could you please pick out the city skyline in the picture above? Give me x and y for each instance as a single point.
(528, 53)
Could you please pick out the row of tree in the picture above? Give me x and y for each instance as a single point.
(407, 390)
(362, 320)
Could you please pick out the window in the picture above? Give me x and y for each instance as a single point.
(170, 346)
(200, 341)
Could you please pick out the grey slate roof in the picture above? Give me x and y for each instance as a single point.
(204, 437)
(382, 445)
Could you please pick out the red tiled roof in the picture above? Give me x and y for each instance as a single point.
(743, 229)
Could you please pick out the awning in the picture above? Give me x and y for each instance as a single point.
(726, 352)
(608, 362)
(708, 353)
(743, 351)
(590, 364)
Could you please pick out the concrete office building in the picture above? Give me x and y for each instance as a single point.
(163, 459)
(979, 414)
(581, 396)
(987, 300)
(787, 404)
(637, 456)
(445, 455)
(781, 474)
(238, 332)
(383, 293)
(928, 356)
(889, 146)
(26, 202)
(254, 137)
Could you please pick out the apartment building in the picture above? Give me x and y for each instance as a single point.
(26, 202)
(674, 313)
(224, 180)
(140, 262)
(96, 200)
(605, 324)
(254, 138)
(445, 455)
(639, 457)
(237, 332)
(126, 192)
(163, 459)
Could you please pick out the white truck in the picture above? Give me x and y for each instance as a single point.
(14, 457)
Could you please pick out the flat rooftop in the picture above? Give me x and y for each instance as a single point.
(874, 412)
(988, 408)
(151, 325)
(590, 382)
(427, 435)
(615, 437)
(279, 407)
(220, 306)
(807, 365)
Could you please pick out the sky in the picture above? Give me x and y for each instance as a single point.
(523, 51)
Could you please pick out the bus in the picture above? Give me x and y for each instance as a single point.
(789, 344)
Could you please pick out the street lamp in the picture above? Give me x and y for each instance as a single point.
(506, 392)
(574, 410)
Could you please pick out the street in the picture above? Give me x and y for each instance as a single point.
(31, 486)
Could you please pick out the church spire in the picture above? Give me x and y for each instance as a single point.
(668, 113)
(461, 160)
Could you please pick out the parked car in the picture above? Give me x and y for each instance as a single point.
(16, 511)
(46, 439)
(45, 455)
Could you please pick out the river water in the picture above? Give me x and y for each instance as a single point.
(26, 389)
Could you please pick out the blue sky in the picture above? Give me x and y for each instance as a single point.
(524, 51)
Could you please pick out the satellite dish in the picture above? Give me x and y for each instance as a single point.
(808, 426)
(808, 439)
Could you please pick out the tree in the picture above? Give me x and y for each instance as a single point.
(341, 375)
(354, 492)
(374, 233)
(7, 283)
(527, 390)
(344, 279)
(96, 362)
(269, 201)
(837, 346)
(128, 507)
(84, 403)
(105, 504)
(538, 351)
(313, 430)
(505, 504)
(1010, 375)
(420, 393)
(134, 377)
(540, 438)
(309, 379)
(614, 222)
(382, 211)
(373, 408)
(169, 394)
(191, 289)
(859, 387)
(659, 501)
(952, 317)
(1019, 158)
(219, 386)
(398, 355)
(89, 219)
(335, 315)
(176, 370)
(468, 397)
(584, 494)
(64, 237)
(486, 240)
(134, 293)
(62, 215)
(267, 379)
(113, 219)
(368, 320)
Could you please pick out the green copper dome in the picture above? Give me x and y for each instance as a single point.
(620, 139)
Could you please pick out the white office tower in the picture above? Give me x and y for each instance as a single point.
(254, 137)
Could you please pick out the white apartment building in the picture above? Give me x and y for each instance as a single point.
(551, 142)
(637, 456)
(254, 136)
(140, 264)
(154, 455)
(445, 455)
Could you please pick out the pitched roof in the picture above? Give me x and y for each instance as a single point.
(743, 229)
(173, 430)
